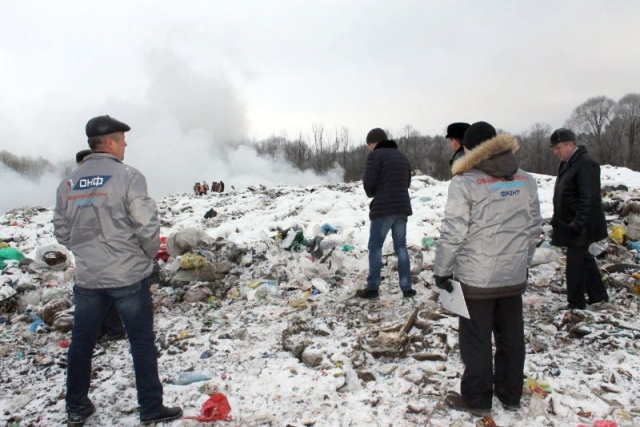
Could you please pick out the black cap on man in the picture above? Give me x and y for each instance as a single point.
(104, 125)
(562, 135)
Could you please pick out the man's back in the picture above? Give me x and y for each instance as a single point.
(105, 217)
(387, 179)
(492, 220)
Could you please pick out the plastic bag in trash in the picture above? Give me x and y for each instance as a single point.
(9, 254)
(216, 408)
(51, 257)
(618, 232)
(192, 262)
(596, 248)
(187, 240)
(328, 229)
(634, 246)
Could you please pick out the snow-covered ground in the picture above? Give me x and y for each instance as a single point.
(292, 356)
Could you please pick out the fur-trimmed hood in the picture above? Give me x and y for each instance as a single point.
(494, 157)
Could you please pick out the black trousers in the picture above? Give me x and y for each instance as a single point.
(503, 318)
(583, 275)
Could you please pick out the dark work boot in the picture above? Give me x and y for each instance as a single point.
(77, 419)
(368, 294)
(454, 401)
(167, 414)
(409, 294)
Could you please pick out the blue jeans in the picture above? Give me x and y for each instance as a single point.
(136, 309)
(378, 233)
(112, 325)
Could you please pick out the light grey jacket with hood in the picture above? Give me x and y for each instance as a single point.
(491, 222)
(105, 217)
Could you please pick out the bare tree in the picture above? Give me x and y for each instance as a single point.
(317, 131)
(534, 154)
(628, 110)
(590, 120)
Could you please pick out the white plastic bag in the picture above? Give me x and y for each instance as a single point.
(43, 253)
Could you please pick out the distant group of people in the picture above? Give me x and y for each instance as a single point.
(201, 188)
(490, 229)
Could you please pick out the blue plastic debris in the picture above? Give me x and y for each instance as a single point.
(328, 229)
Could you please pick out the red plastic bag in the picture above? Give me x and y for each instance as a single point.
(216, 408)
(162, 253)
(605, 423)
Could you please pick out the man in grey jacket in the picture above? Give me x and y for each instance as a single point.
(112, 328)
(488, 237)
(105, 217)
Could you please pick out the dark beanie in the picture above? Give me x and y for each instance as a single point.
(376, 135)
(478, 133)
(562, 135)
(457, 130)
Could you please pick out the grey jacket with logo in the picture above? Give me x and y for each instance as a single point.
(105, 217)
(491, 222)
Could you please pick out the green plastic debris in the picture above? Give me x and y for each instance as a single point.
(294, 241)
(347, 248)
(9, 254)
(428, 242)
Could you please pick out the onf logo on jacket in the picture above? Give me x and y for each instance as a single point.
(95, 181)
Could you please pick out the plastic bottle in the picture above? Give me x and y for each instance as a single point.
(184, 378)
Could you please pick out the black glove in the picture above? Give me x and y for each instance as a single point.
(444, 283)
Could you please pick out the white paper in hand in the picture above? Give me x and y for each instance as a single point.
(454, 301)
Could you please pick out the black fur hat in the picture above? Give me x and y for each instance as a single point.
(457, 130)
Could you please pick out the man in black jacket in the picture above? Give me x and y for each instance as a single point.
(578, 218)
(455, 133)
(386, 179)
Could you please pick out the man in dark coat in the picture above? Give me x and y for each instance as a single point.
(578, 218)
(455, 133)
(386, 179)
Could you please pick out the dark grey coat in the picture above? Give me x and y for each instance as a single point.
(387, 179)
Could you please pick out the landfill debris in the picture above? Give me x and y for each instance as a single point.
(216, 408)
(185, 378)
(328, 229)
(287, 320)
(428, 242)
(618, 233)
(9, 254)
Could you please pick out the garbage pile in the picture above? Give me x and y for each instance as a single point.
(256, 321)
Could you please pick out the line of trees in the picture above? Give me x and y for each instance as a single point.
(609, 129)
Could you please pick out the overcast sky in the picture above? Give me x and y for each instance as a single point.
(190, 76)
